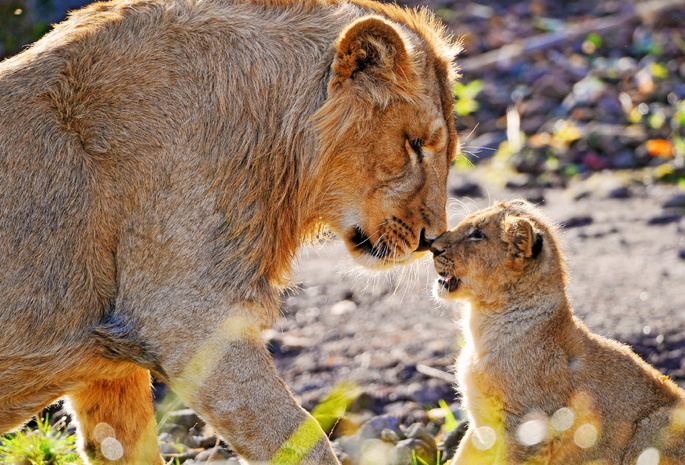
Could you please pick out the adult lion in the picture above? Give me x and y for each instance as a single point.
(161, 161)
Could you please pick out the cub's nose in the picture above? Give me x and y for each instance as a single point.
(424, 242)
(437, 251)
(439, 245)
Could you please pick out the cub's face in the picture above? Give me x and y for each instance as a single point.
(388, 138)
(488, 253)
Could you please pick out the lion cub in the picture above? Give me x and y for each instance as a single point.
(539, 387)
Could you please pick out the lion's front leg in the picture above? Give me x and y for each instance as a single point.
(231, 381)
(116, 420)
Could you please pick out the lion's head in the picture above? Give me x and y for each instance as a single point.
(388, 137)
(495, 253)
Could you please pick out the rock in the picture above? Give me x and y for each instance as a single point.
(366, 402)
(407, 412)
(209, 442)
(214, 454)
(681, 254)
(664, 218)
(165, 437)
(620, 192)
(520, 181)
(344, 458)
(576, 222)
(405, 451)
(451, 440)
(677, 201)
(418, 431)
(186, 418)
(172, 448)
(389, 435)
(587, 90)
(373, 452)
(186, 457)
(343, 307)
(625, 159)
(431, 392)
(375, 427)
(467, 189)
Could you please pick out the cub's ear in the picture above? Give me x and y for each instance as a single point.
(370, 51)
(524, 242)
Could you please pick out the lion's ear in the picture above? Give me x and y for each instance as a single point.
(524, 242)
(370, 51)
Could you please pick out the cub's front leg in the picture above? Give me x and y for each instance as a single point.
(479, 448)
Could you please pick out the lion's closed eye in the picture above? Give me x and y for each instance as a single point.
(476, 235)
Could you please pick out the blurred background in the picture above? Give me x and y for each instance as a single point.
(578, 106)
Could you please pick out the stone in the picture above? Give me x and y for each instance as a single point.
(450, 440)
(419, 431)
(405, 451)
(677, 201)
(664, 218)
(214, 454)
(185, 417)
(374, 427)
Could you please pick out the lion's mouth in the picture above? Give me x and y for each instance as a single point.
(363, 243)
(424, 244)
(450, 283)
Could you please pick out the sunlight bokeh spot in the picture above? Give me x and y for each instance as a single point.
(563, 419)
(585, 436)
(103, 431)
(112, 449)
(531, 432)
(375, 452)
(483, 438)
(649, 456)
(678, 418)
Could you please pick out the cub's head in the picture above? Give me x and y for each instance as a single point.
(509, 249)
(387, 136)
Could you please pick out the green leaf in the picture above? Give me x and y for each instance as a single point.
(595, 39)
(334, 405)
(658, 70)
(450, 422)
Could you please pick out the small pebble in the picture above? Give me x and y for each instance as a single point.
(576, 222)
(664, 218)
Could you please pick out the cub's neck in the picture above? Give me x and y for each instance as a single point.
(515, 316)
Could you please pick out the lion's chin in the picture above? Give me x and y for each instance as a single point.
(385, 263)
(377, 256)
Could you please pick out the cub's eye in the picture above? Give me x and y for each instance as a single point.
(476, 235)
(417, 146)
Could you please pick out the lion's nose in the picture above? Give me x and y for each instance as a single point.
(424, 243)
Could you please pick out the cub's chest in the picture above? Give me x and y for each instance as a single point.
(480, 387)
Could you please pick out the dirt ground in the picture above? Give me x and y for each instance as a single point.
(385, 331)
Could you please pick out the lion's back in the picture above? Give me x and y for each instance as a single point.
(117, 97)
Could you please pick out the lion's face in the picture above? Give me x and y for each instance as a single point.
(388, 130)
(394, 204)
(489, 253)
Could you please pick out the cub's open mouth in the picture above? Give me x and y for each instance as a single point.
(449, 283)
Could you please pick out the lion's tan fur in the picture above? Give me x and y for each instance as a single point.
(533, 374)
(160, 164)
